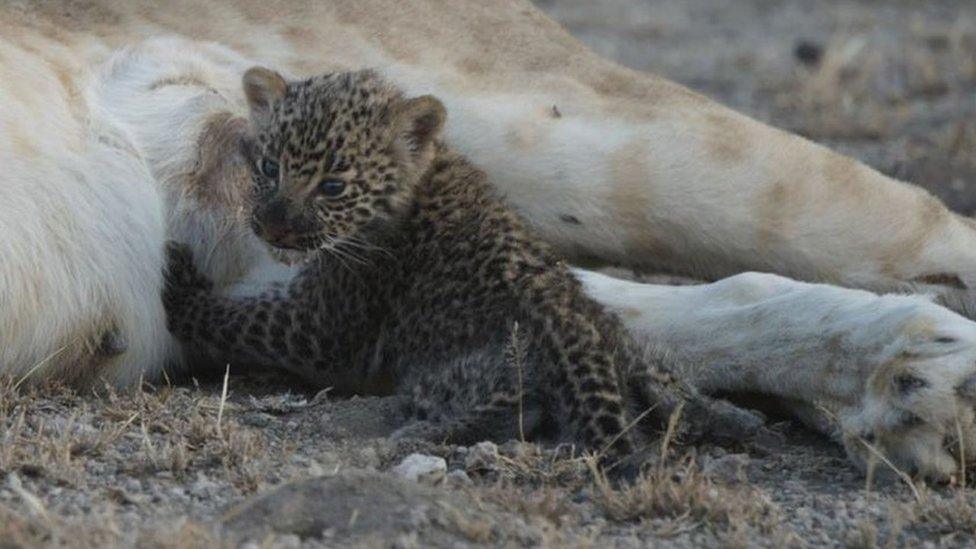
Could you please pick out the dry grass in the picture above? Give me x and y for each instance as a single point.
(865, 84)
(544, 487)
(953, 516)
(685, 499)
(19, 530)
(63, 453)
(54, 430)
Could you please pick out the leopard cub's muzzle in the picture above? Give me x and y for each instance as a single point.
(273, 222)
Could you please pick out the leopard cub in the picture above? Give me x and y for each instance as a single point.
(419, 276)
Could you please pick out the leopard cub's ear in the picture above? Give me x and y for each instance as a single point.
(420, 121)
(263, 88)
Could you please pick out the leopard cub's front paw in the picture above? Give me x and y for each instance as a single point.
(182, 276)
(183, 282)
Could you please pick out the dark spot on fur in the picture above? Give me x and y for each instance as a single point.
(907, 383)
(942, 279)
(112, 344)
(910, 420)
(809, 53)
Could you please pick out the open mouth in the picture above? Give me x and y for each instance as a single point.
(302, 243)
(290, 245)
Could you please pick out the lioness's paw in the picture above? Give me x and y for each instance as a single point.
(917, 407)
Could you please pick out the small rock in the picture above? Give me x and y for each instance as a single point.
(730, 469)
(289, 541)
(518, 450)
(257, 419)
(482, 457)
(422, 468)
(458, 479)
(384, 507)
(202, 487)
(133, 485)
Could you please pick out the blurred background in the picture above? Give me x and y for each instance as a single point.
(891, 82)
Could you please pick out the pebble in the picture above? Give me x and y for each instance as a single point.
(133, 486)
(422, 468)
(482, 457)
(729, 469)
(257, 419)
(458, 479)
(518, 450)
(202, 487)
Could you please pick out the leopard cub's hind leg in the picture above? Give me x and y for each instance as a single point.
(471, 398)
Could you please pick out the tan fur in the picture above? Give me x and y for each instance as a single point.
(632, 200)
(508, 47)
(220, 180)
(727, 140)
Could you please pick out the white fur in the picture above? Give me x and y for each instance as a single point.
(82, 230)
(817, 346)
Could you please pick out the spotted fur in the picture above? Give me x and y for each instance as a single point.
(420, 275)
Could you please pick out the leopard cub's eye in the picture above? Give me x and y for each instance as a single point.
(269, 168)
(332, 188)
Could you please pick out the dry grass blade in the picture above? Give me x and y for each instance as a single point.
(901, 474)
(622, 433)
(223, 402)
(905, 477)
(30, 500)
(962, 453)
(517, 356)
(669, 432)
(38, 366)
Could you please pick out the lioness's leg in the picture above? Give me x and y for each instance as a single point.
(702, 191)
(897, 371)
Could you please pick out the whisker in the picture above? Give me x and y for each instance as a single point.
(366, 245)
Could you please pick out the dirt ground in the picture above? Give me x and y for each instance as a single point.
(273, 464)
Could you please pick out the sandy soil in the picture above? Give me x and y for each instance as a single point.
(275, 464)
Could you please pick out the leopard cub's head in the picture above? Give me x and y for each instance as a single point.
(336, 156)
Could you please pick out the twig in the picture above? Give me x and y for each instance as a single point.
(518, 358)
(962, 453)
(669, 432)
(223, 401)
